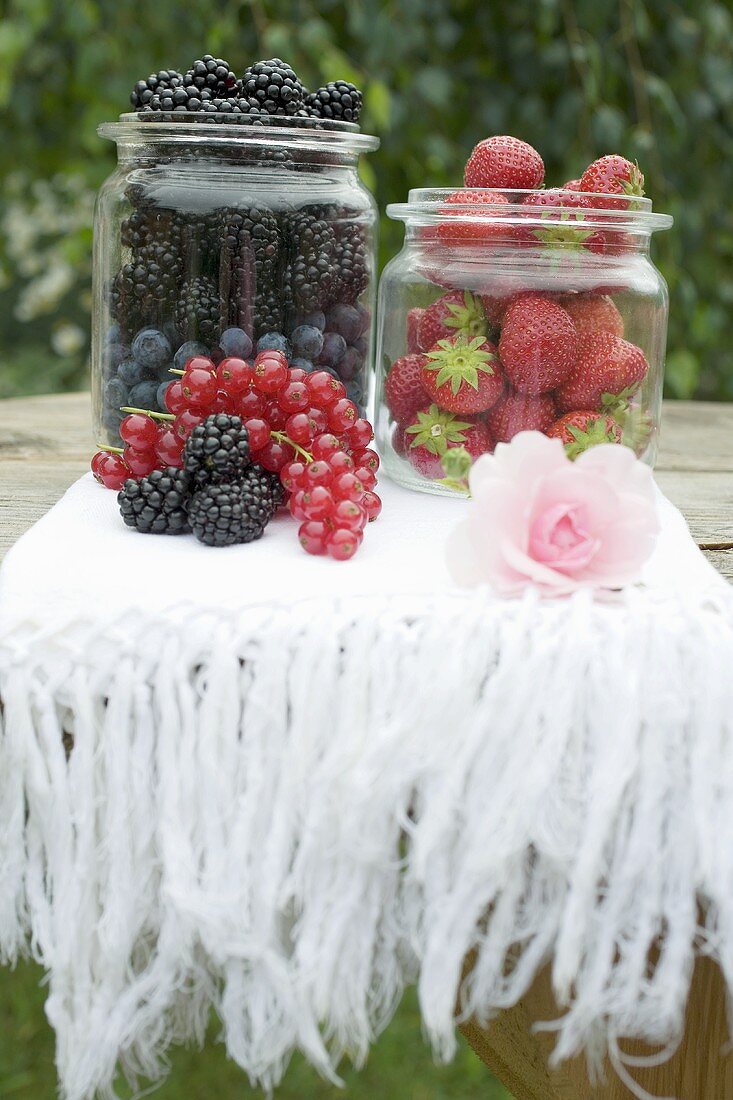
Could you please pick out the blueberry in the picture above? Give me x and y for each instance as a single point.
(346, 321)
(274, 341)
(173, 335)
(160, 396)
(303, 364)
(350, 364)
(144, 395)
(115, 394)
(115, 353)
(317, 319)
(333, 349)
(361, 345)
(355, 391)
(307, 341)
(112, 335)
(236, 342)
(187, 351)
(366, 317)
(151, 348)
(112, 419)
(130, 372)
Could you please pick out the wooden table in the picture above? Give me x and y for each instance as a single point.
(46, 443)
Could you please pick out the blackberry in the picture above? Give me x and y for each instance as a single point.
(338, 100)
(156, 84)
(157, 504)
(310, 273)
(217, 450)
(251, 239)
(211, 74)
(268, 311)
(179, 99)
(145, 287)
(198, 310)
(273, 87)
(234, 512)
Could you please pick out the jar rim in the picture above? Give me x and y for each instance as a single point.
(428, 206)
(196, 126)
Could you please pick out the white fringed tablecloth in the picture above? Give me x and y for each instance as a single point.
(297, 786)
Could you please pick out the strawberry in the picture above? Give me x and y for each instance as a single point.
(571, 185)
(463, 375)
(612, 175)
(538, 345)
(502, 162)
(495, 307)
(608, 370)
(435, 431)
(565, 225)
(583, 429)
(403, 388)
(594, 313)
(413, 321)
(520, 412)
(399, 439)
(484, 205)
(458, 313)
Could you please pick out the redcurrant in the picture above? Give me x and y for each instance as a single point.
(274, 455)
(199, 387)
(201, 362)
(297, 374)
(296, 504)
(341, 463)
(168, 447)
(270, 372)
(342, 543)
(234, 375)
(312, 535)
(366, 476)
(112, 471)
(360, 434)
(348, 513)
(319, 473)
(318, 503)
(368, 458)
(186, 421)
(140, 463)
(292, 476)
(251, 404)
(319, 418)
(300, 428)
(326, 445)
(175, 402)
(372, 503)
(139, 431)
(342, 415)
(276, 417)
(348, 487)
(324, 388)
(258, 431)
(294, 398)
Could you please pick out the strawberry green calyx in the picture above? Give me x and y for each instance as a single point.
(616, 404)
(456, 463)
(600, 430)
(435, 429)
(460, 360)
(636, 428)
(468, 319)
(567, 232)
(634, 185)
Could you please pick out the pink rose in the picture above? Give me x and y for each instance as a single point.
(538, 518)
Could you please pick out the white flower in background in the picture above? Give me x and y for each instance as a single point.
(43, 294)
(67, 339)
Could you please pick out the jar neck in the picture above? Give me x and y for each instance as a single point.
(515, 244)
(263, 155)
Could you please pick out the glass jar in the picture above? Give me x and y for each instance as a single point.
(210, 238)
(525, 310)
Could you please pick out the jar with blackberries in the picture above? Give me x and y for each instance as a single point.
(231, 224)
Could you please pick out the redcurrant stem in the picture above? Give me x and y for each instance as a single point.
(147, 412)
(174, 370)
(281, 437)
(111, 450)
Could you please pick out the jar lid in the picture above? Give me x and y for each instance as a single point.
(191, 127)
(529, 208)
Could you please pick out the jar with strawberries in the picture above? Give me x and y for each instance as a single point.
(518, 307)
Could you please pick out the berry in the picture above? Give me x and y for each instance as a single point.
(564, 223)
(151, 349)
(144, 396)
(169, 448)
(325, 390)
(236, 343)
(307, 341)
(435, 431)
(538, 345)
(300, 428)
(187, 351)
(594, 313)
(275, 455)
(258, 431)
(317, 502)
(234, 375)
(338, 100)
(186, 421)
(463, 375)
(198, 309)
(350, 515)
(360, 434)
(342, 415)
(341, 463)
(373, 505)
(199, 386)
(275, 341)
(325, 446)
(504, 162)
(300, 369)
(414, 316)
(217, 450)
(346, 321)
(607, 372)
(366, 476)
(276, 416)
(520, 412)
(367, 458)
(145, 90)
(342, 543)
(233, 512)
(583, 429)
(293, 476)
(458, 313)
(318, 472)
(319, 418)
(294, 397)
(333, 350)
(139, 431)
(295, 504)
(571, 185)
(157, 504)
(252, 404)
(612, 175)
(312, 535)
(347, 487)
(110, 470)
(212, 74)
(140, 463)
(273, 87)
(404, 392)
(473, 216)
(270, 372)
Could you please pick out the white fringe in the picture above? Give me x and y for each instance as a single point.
(291, 814)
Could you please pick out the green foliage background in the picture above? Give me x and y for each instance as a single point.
(652, 79)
